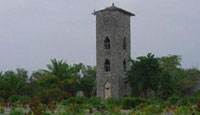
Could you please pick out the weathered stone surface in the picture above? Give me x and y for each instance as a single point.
(115, 25)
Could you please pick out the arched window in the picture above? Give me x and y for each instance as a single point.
(124, 64)
(124, 44)
(107, 66)
(107, 43)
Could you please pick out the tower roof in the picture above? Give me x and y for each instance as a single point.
(114, 8)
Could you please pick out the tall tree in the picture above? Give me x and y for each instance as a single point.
(58, 68)
(87, 82)
(144, 74)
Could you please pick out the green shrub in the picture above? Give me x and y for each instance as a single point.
(106, 113)
(72, 109)
(183, 102)
(173, 100)
(16, 112)
(114, 101)
(197, 94)
(184, 110)
(14, 98)
(45, 113)
(1, 99)
(192, 99)
(95, 101)
(155, 100)
(112, 104)
(64, 102)
(2, 110)
(66, 113)
(116, 109)
(36, 106)
(52, 95)
(77, 100)
(77, 109)
(152, 110)
(131, 102)
(102, 107)
(24, 99)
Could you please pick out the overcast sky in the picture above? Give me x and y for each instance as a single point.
(34, 31)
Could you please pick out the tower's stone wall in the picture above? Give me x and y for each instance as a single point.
(116, 26)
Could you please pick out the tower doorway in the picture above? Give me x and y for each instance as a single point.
(107, 90)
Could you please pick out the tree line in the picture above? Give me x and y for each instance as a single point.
(148, 75)
(162, 77)
(56, 83)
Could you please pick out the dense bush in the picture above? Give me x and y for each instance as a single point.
(4, 94)
(114, 101)
(192, 99)
(75, 100)
(77, 108)
(73, 109)
(16, 112)
(45, 113)
(2, 110)
(183, 102)
(36, 106)
(1, 100)
(24, 100)
(14, 98)
(197, 94)
(155, 100)
(54, 84)
(186, 110)
(52, 95)
(95, 101)
(66, 113)
(152, 110)
(64, 102)
(115, 106)
(131, 102)
(173, 100)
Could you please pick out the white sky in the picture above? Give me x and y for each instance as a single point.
(34, 31)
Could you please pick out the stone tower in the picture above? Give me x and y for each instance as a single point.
(113, 47)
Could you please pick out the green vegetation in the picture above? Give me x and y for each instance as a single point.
(161, 77)
(2, 110)
(16, 112)
(158, 85)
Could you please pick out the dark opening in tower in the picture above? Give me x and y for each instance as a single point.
(107, 66)
(107, 43)
(124, 65)
(124, 44)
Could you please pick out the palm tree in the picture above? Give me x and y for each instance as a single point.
(58, 68)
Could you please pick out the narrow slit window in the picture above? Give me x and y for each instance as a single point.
(124, 44)
(124, 65)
